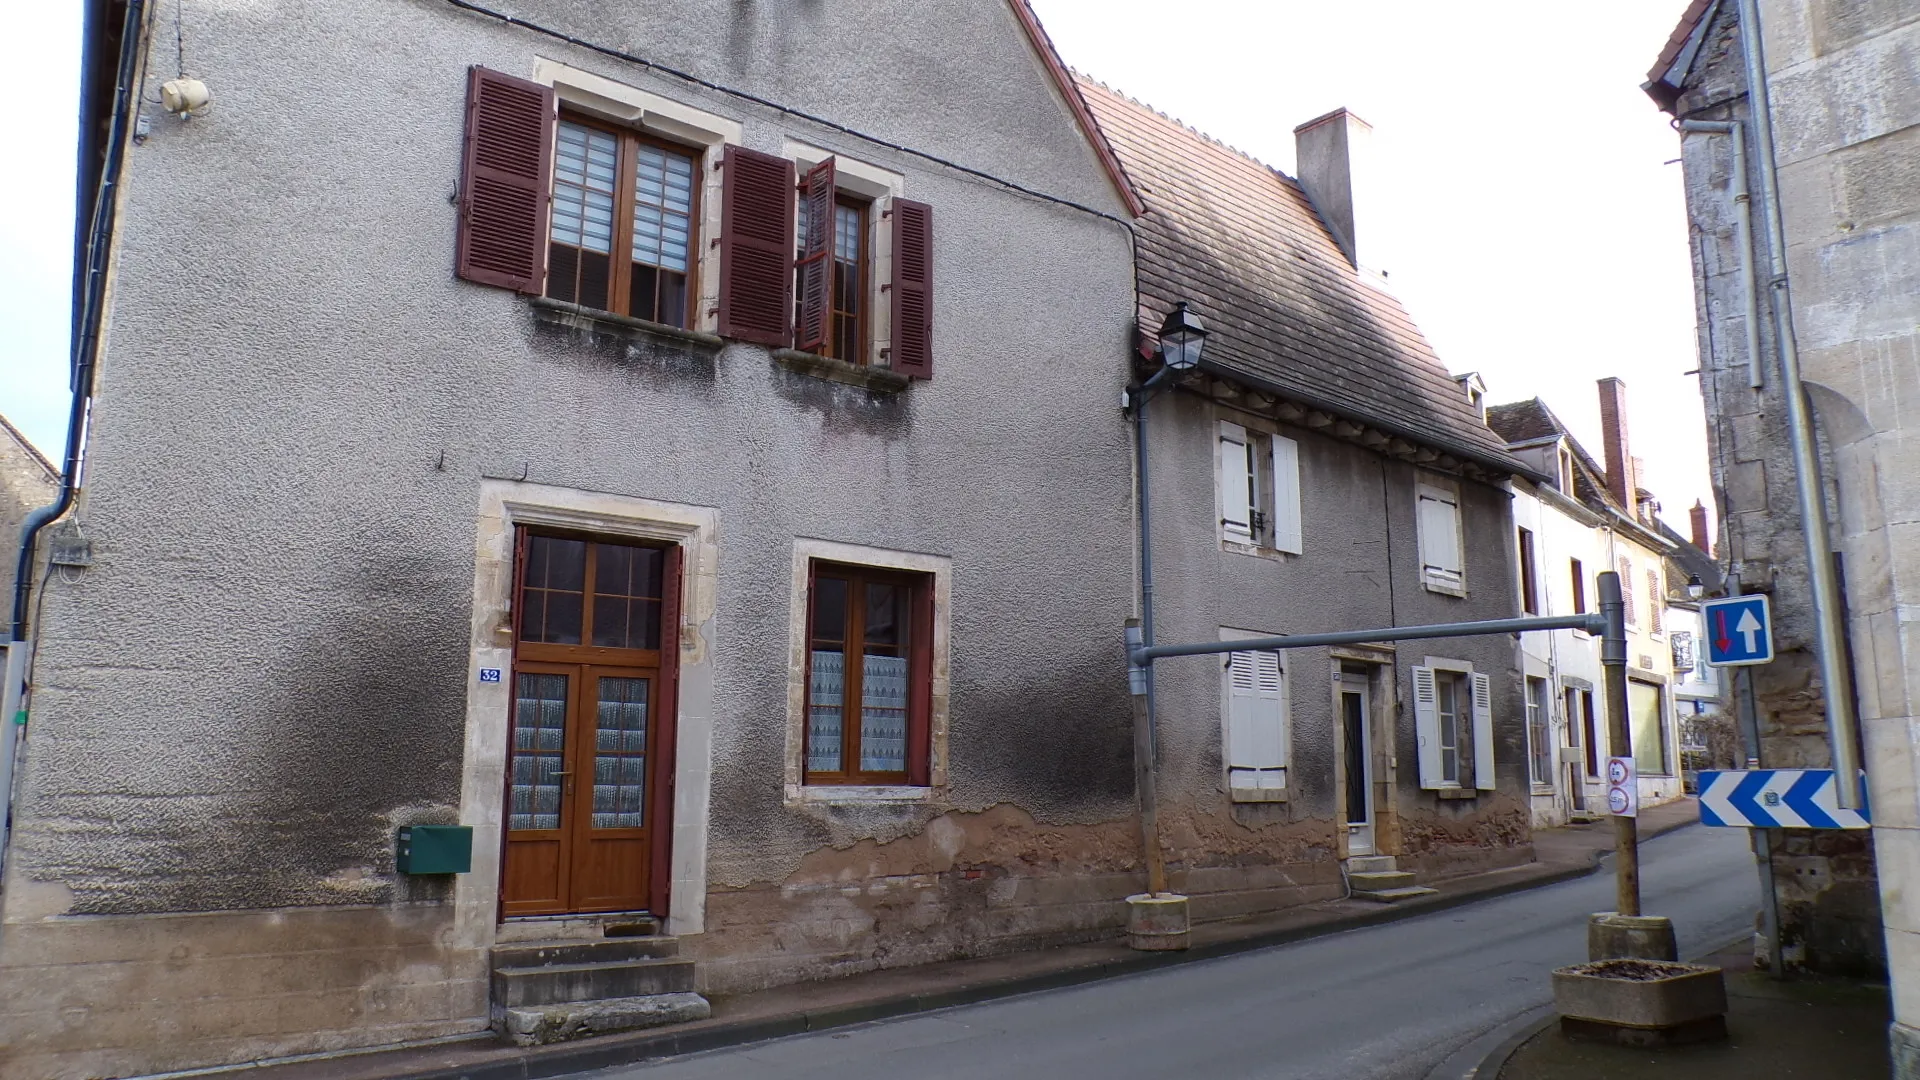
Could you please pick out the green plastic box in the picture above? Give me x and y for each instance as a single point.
(434, 849)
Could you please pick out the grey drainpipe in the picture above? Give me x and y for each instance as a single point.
(1743, 234)
(90, 293)
(1842, 725)
(1146, 736)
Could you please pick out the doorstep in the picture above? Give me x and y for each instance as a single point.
(814, 1006)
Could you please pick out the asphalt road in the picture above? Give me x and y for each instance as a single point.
(1385, 1003)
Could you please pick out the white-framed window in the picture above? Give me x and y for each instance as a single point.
(1453, 725)
(1259, 489)
(1254, 696)
(1442, 568)
(1540, 749)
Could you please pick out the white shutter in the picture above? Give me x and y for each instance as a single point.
(1626, 591)
(1286, 495)
(1439, 527)
(1236, 510)
(1426, 727)
(1256, 719)
(1482, 732)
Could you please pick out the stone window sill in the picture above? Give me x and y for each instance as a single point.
(1544, 789)
(1446, 590)
(577, 317)
(1241, 547)
(1458, 793)
(1258, 795)
(860, 794)
(878, 379)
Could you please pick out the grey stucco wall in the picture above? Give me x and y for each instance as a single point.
(265, 668)
(1359, 568)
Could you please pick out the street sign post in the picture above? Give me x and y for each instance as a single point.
(1739, 630)
(1775, 799)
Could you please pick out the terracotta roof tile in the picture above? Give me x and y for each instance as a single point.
(1657, 86)
(1243, 245)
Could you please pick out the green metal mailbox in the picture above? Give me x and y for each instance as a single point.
(434, 849)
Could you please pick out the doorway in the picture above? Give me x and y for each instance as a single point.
(1578, 739)
(590, 751)
(1356, 721)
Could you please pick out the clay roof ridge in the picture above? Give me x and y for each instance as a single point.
(1182, 124)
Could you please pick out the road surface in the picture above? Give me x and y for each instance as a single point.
(1383, 1003)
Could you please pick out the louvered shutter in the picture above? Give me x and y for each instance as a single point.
(1626, 592)
(1483, 732)
(816, 259)
(1287, 524)
(1655, 598)
(506, 169)
(1426, 727)
(756, 247)
(1256, 722)
(1440, 539)
(920, 673)
(666, 714)
(912, 351)
(1236, 502)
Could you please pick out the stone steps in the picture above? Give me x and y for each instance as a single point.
(551, 991)
(1378, 878)
(1390, 896)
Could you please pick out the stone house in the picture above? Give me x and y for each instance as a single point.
(28, 481)
(1585, 526)
(1319, 470)
(1841, 109)
(675, 447)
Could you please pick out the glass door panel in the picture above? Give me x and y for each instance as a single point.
(620, 754)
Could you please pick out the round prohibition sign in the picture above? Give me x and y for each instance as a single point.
(1616, 772)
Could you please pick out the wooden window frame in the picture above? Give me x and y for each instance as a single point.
(585, 652)
(1578, 572)
(620, 270)
(864, 270)
(1529, 584)
(919, 654)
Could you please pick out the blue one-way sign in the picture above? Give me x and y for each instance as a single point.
(1739, 630)
(1775, 799)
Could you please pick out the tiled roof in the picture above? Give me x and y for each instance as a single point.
(1660, 85)
(1241, 243)
(1524, 421)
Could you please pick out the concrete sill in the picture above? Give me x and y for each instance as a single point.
(1258, 795)
(1241, 547)
(1457, 793)
(858, 794)
(576, 317)
(878, 379)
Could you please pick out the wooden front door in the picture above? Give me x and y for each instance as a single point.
(590, 769)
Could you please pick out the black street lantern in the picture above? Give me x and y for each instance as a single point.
(1695, 587)
(1181, 337)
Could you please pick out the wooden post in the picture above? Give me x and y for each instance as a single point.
(1613, 656)
(1144, 776)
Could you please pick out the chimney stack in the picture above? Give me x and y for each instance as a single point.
(1613, 438)
(1330, 156)
(1699, 516)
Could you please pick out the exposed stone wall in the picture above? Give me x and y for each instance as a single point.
(1847, 113)
(28, 481)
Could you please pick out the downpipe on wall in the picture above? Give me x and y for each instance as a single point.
(91, 292)
(1743, 232)
(1842, 725)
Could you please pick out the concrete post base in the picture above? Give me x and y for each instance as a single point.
(1612, 936)
(1906, 1051)
(1157, 922)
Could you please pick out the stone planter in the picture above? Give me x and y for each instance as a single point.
(1641, 1002)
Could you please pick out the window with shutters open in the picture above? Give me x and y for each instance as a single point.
(1453, 725)
(832, 269)
(1238, 484)
(1438, 522)
(1254, 690)
(1257, 478)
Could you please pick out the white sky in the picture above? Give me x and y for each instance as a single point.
(1526, 216)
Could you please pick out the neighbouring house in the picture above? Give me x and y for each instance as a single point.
(1709, 738)
(1592, 519)
(1319, 470)
(1827, 142)
(28, 481)
(674, 447)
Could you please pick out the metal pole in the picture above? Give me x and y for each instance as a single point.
(1613, 657)
(1145, 782)
(1842, 725)
(1593, 623)
(1742, 234)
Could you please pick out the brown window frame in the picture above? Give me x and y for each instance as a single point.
(620, 268)
(863, 270)
(1579, 574)
(586, 652)
(919, 656)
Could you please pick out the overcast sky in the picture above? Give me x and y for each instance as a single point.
(1526, 212)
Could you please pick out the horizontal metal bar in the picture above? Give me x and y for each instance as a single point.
(1592, 623)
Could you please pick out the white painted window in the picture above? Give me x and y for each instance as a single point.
(1540, 750)
(1256, 706)
(1445, 702)
(1236, 472)
(1285, 515)
(1441, 567)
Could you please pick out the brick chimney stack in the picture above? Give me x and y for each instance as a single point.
(1699, 517)
(1613, 438)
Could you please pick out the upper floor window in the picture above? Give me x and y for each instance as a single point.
(1258, 477)
(1578, 574)
(1442, 568)
(1626, 591)
(1529, 587)
(1656, 598)
(831, 280)
(617, 192)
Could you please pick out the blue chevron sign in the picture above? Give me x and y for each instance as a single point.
(1775, 799)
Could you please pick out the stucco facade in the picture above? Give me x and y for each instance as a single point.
(1846, 114)
(304, 469)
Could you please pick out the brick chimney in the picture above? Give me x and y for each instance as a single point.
(1699, 520)
(1613, 439)
(1330, 156)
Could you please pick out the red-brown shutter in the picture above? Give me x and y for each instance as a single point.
(666, 715)
(920, 687)
(816, 260)
(912, 289)
(504, 182)
(756, 247)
